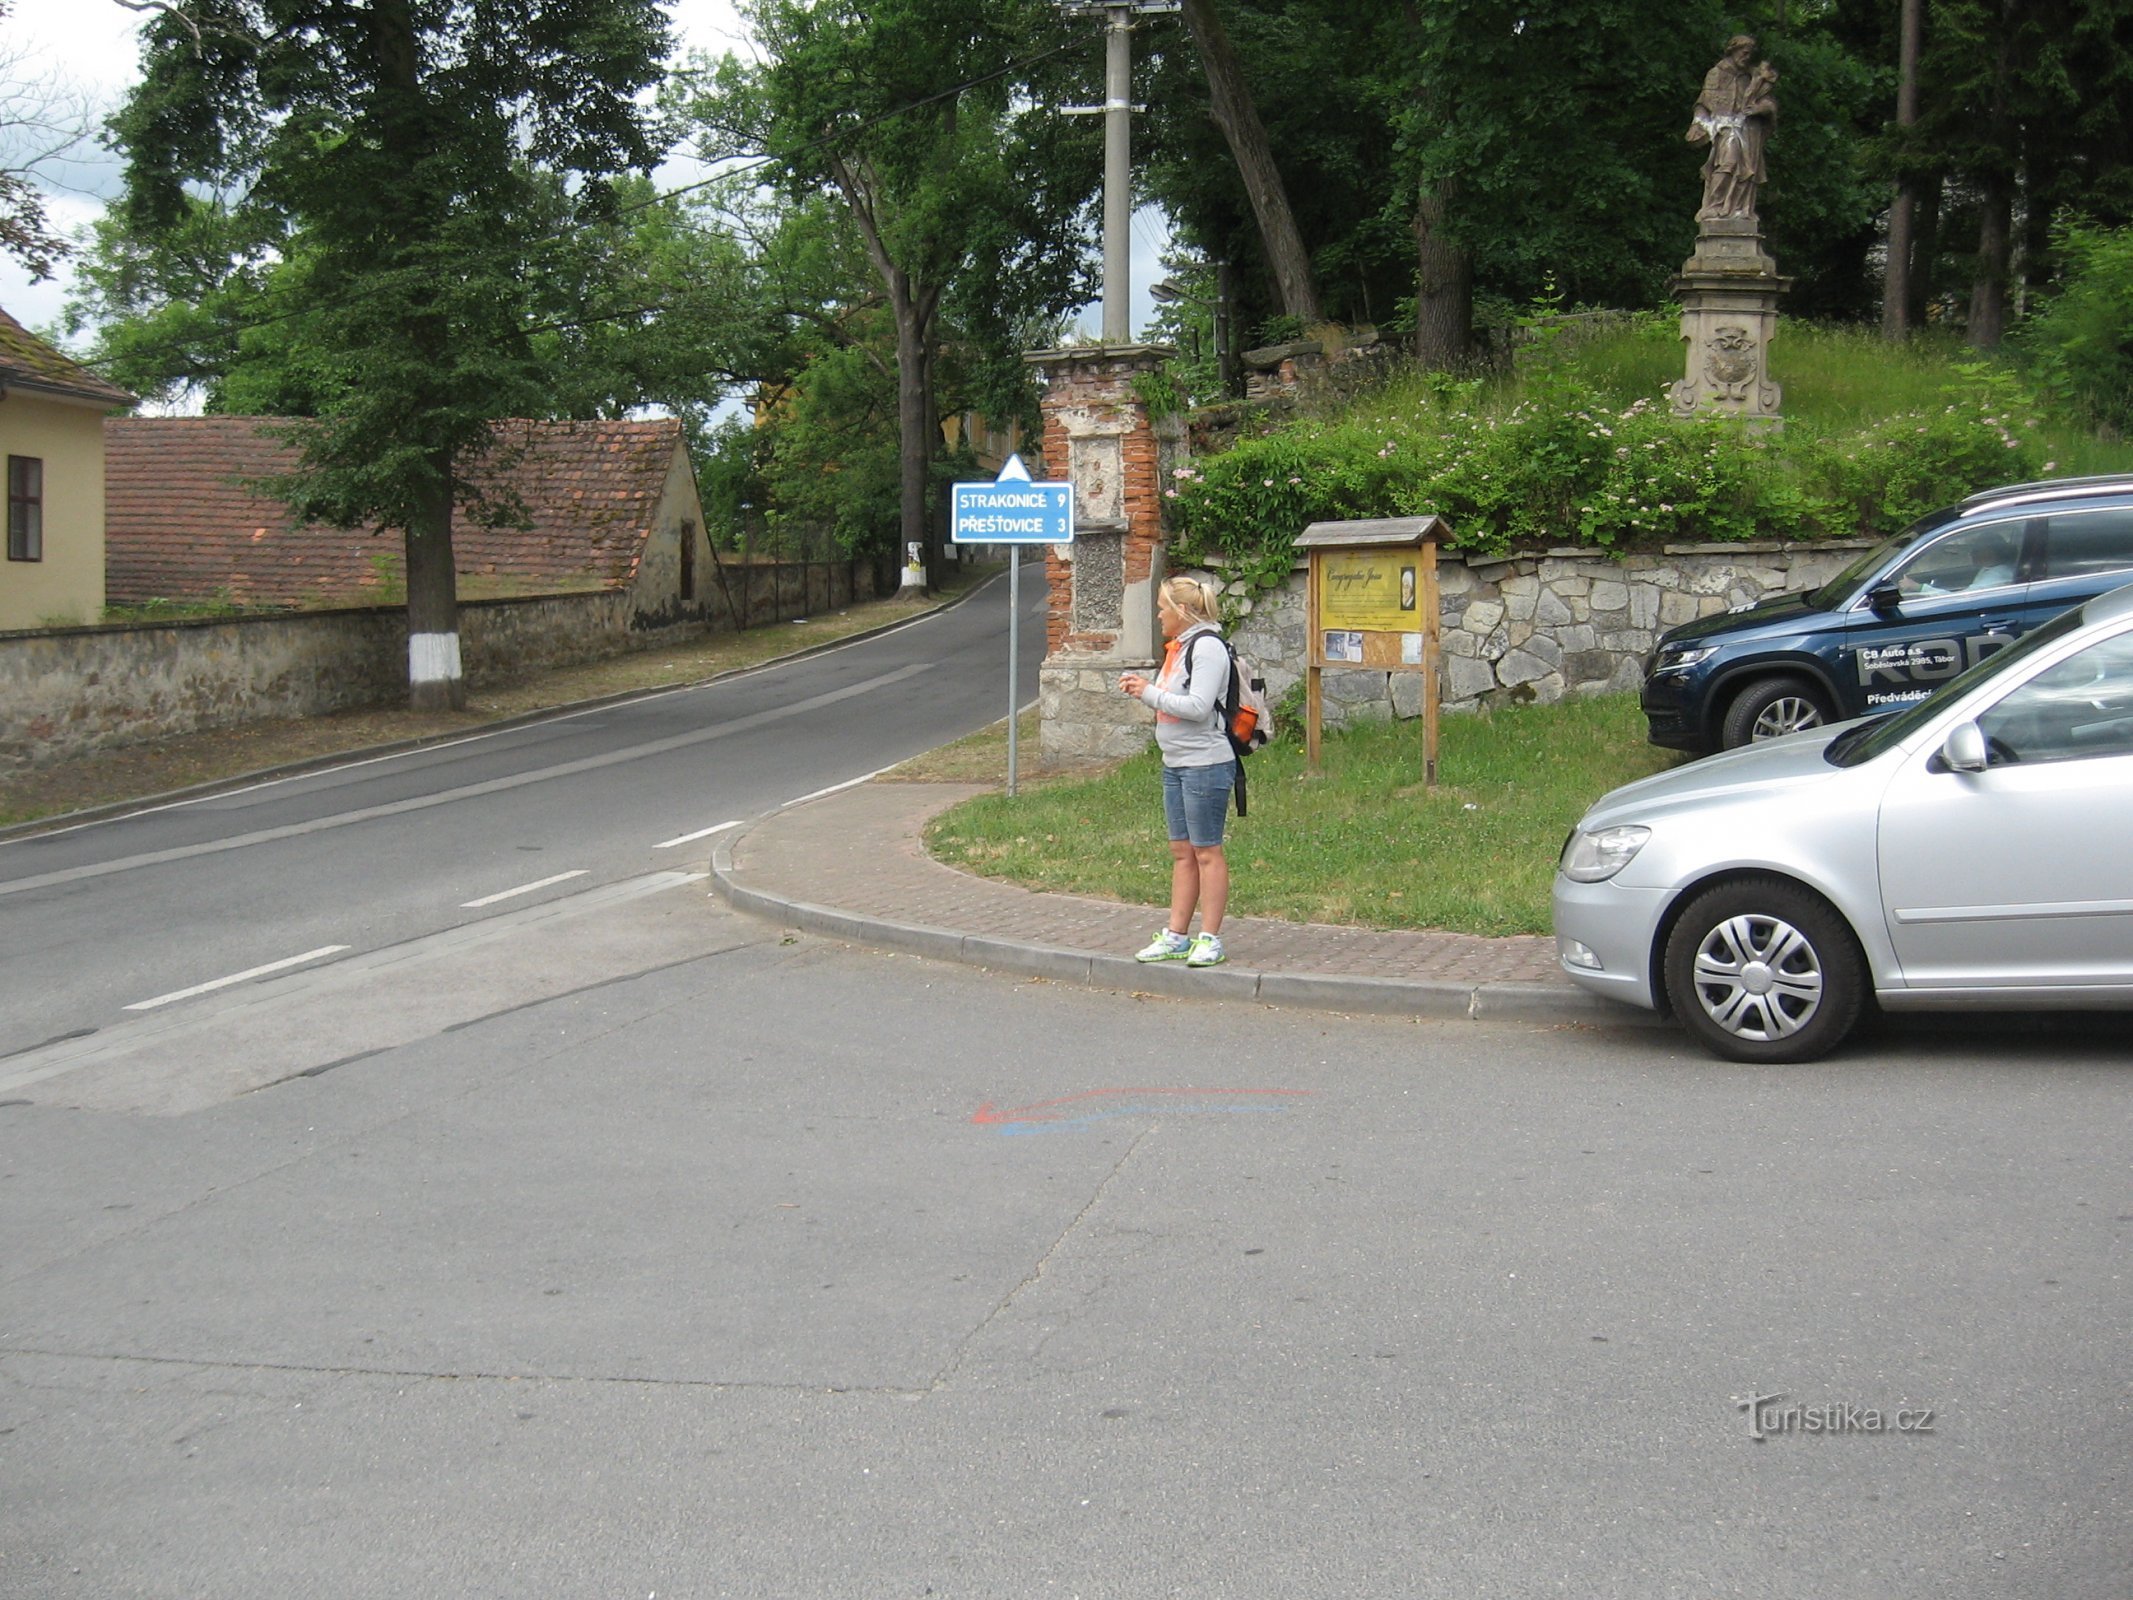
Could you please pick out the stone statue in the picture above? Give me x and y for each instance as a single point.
(1733, 115)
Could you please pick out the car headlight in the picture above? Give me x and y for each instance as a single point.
(1680, 657)
(1597, 856)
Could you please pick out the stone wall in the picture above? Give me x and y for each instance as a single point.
(1530, 627)
(69, 691)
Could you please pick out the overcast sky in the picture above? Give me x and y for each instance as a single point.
(93, 44)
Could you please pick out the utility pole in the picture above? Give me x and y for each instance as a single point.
(1117, 112)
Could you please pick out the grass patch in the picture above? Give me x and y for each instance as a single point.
(1360, 842)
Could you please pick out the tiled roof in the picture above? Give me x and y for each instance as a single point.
(179, 522)
(27, 359)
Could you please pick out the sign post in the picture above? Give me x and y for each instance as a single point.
(1011, 510)
(1372, 604)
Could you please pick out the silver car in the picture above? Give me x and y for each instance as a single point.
(1973, 850)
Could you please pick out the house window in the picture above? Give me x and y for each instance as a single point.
(25, 508)
(688, 561)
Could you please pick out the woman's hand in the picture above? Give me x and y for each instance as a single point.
(1132, 683)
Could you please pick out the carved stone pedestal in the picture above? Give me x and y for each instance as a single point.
(1729, 291)
(1099, 436)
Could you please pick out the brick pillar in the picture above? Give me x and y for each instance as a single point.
(1099, 437)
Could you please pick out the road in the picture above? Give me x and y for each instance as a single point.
(373, 855)
(790, 1269)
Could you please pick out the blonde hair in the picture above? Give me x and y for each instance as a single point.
(1191, 597)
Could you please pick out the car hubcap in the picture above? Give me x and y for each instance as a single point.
(1788, 715)
(1758, 978)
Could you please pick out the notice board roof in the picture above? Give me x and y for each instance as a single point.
(1389, 532)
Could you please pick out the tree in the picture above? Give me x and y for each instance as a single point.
(42, 121)
(1239, 121)
(931, 122)
(394, 180)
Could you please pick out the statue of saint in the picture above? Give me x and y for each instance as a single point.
(1733, 115)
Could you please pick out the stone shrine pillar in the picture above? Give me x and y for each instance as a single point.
(1099, 436)
(1729, 293)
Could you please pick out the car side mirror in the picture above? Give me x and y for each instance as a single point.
(1964, 748)
(1884, 597)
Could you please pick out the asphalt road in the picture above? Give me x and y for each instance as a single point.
(778, 1268)
(368, 856)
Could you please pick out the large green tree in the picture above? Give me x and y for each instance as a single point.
(933, 124)
(397, 181)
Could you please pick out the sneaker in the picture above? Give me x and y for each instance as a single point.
(1166, 946)
(1206, 952)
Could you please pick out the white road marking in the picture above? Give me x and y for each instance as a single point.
(839, 788)
(524, 888)
(700, 833)
(238, 977)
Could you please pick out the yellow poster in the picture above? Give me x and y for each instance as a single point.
(1375, 591)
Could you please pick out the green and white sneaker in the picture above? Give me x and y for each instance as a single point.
(1166, 946)
(1206, 952)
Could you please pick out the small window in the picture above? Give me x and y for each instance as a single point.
(25, 508)
(688, 561)
(2079, 543)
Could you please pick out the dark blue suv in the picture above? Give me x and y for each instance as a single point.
(1895, 624)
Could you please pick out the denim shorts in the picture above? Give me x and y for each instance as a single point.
(1196, 801)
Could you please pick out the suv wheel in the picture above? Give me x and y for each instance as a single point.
(1760, 969)
(1769, 707)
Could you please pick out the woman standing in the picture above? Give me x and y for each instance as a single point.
(1198, 767)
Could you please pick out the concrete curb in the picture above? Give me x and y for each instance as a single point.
(397, 747)
(1471, 1002)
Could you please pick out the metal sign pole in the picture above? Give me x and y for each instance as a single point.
(1014, 655)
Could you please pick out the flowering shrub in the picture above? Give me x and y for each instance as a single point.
(1562, 466)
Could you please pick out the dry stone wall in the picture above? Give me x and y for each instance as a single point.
(1538, 626)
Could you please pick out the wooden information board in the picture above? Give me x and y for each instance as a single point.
(1373, 607)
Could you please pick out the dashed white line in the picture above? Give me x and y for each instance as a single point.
(700, 833)
(524, 888)
(238, 977)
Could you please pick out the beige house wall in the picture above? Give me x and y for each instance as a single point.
(67, 586)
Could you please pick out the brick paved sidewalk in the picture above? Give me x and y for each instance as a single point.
(851, 865)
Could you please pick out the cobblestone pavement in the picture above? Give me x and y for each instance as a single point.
(851, 865)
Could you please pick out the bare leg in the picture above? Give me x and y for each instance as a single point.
(1184, 885)
(1213, 873)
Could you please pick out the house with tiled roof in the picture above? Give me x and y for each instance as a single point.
(52, 412)
(606, 505)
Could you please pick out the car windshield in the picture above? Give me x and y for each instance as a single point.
(1840, 590)
(1863, 741)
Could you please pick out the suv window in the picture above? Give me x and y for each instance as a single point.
(1980, 557)
(2080, 542)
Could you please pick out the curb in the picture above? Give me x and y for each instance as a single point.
(396, 747)
(1471, 1002)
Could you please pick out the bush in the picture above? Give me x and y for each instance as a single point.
(1549, 459)
(2081, 343)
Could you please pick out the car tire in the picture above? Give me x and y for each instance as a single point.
(1769, 707)
(1764, 970)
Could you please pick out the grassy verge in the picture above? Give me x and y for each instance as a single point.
(135, 772)
(1360, 842)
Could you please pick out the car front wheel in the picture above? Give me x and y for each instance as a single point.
(1764, 970)
(1769, 707)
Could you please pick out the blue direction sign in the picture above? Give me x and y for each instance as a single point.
(1012, 510)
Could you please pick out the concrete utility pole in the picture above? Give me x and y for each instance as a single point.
(1117, 112)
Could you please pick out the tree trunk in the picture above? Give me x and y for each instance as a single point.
(434, 679)
(1896, 282)
(1925, 249)
(1239, 121)
(916, 426)
(1444, 288)
(1988, 292)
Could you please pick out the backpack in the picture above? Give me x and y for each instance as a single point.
(1244, 713)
